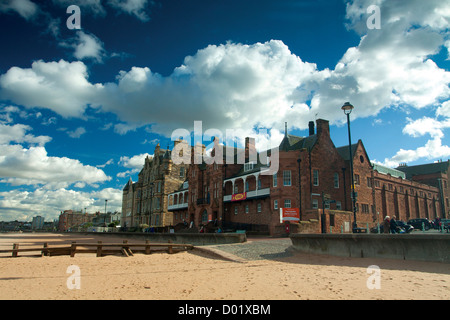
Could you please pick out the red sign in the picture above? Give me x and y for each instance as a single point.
(289, 214)
(239, 196)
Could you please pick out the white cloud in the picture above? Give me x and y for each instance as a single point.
(77, 133)
(88, 47)
(23, 205)
(18, 133)
(26, 8)
(135, 162)
(132, 7)
(94, 7)
(59, 86)
(32, 166)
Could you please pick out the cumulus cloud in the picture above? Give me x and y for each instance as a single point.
(25, 8)
(59, 86)
(78, 132)
(132, 7)
(18, 133)
(23, 205)
(86, 47)
(33, 166)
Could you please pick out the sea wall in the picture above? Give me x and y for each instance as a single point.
(424, 247)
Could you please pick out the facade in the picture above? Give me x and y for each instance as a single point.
(313, 176)
(145, 202)
(37, 223)
(433, 174)
(69, 219)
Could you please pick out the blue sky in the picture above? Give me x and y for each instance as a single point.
(81, 108)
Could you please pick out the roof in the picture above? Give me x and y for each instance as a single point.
(387, 170)
(291, 142)
(438, 167)
(343, 151)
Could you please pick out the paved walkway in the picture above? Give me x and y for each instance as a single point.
(258, 248)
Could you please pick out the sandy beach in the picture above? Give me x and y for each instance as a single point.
(203, 276)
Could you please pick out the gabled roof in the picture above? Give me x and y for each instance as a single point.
(291, 142)
(438, 167)
(343, 151)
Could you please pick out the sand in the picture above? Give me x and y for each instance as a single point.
(200, 276)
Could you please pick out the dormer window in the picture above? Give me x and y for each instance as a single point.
(248, 166)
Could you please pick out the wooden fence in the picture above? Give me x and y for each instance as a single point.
(101, 249)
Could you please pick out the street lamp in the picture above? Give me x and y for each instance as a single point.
(106, 201)
(347, 107)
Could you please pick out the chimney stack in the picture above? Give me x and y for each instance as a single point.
(311, 128)
(250, 150)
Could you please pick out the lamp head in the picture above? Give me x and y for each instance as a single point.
(347, 107)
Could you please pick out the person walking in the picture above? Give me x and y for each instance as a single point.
(393, 225)
(386, 225)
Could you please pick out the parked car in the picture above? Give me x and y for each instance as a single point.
(407, 228)
(417, 223)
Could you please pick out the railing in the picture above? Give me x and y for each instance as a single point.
(251, 194)
(177, 206)
(113, 248)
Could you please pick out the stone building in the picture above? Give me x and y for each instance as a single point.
(69, 219)
(145, 202)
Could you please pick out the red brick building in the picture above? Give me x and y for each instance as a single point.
(313, 176)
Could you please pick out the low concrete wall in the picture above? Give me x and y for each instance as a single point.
(425, 247)
(196, 239)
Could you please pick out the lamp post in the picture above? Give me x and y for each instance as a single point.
(347, 108)
(106, 201)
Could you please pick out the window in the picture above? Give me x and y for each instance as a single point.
(235, 189)
(377, 183)
(246, 208)
(338, 205)
(259, 207)
(246, 186)
(259, 184)
(326, 205)
(181, 172)
(315, 177)
(390, 187)
(332, 220)
(357, 179)
(275, 204)
(315, 204)
(336, 180)
(248, 166)
(364, 208)
(369, 182)
(287, 203)
(287, 178)
(236, 210)
(275, 180)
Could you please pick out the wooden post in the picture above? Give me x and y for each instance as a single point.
(170, 247)
(14, 250)
(99, 249)
(147, 246)
(45, 249)
(73, 249)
